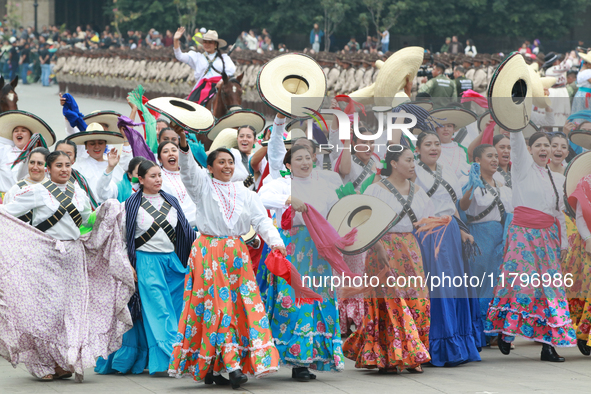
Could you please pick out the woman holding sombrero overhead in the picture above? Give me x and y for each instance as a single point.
(399, 319)
(17, 129)
(223, 325)
(208, 67)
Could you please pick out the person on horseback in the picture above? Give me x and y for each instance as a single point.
(209, 67)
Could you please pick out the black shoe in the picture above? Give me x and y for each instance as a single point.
(312, 376)
(582, 345)
(504, 347)
(237, 378)
(549, 354)
(210, 378)
(301, 374)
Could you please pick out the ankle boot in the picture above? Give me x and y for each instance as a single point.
(237, 378)
(301, 374)
(549, 354)
(504, 347)
(210, 378)
(582, 345)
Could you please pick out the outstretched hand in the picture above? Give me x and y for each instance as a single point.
(179, 33)
(113, 158)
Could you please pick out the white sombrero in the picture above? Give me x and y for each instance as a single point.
(585, 56)
(528, 131)
(510, 94)
(577, 169)
(109, 118)
(211, 35)
(227, 138)
(392, 76)
(11, 119)
(371, 216)
(94, 132)
(187, 114)
(238, 118)
(460, 117)
(581, 138)
(539, 99)
(291, 84)
(250, 236)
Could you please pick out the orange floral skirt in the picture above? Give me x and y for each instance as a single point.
(395, 329)
(223, 321)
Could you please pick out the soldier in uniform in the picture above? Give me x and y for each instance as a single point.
(440, 87)
(368, 64)
(479, 78)
(462, 83)
(467, 63)
(333, 76)
(571, 83)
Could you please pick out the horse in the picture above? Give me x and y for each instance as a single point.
(8, 96)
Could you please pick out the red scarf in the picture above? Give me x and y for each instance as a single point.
(281, 267)
(581, 195)
(532, 218)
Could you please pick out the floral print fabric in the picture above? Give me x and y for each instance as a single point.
(223, 320)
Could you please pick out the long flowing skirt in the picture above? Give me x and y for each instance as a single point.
(307, 335)
(537, 313)
(395, 328)
(351, 309)
(149, 344)
(580, 102)
(489, 237)
(455, 331)
(578, 264)
(223, 320)
(77, 292)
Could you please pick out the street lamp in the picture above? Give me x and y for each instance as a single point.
(36, 4)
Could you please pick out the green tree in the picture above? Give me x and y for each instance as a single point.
(383, 13)
(334, 13)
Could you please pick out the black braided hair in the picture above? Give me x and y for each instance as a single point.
(554, 187)
(219, 54)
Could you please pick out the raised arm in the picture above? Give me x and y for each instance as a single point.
(520, 157)
(276, 148)
(192, 175)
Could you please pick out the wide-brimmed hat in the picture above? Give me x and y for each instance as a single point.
(426, 105)
(238, 118)
(11, 119)
(528, 131)
(538, 84)
(290, 77)
(250, 236)
(293, 135)
(371, 217)
(510, 94)
(211, 35)
(187, 114)
(392, 76)
(585, 56)
(460, 117)
(581, 138)
(579, 167)
(108, 117)
(94, 132)
(226, 138)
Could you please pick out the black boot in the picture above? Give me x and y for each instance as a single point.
(504, 347)
(582, 345)
(210, 378)
(237, 378)
(549, 354)
(301, 374)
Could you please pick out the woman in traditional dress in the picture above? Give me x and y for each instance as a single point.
(537, 241)
(85, 311)
(503, 146)
(581, 99)
(558, 152)
(223, 325)
(454, 336)
(126, 186)
(307, 336)
(159, 241)
(36, 168)
(486, 207)
(395, 329)
(208, 67)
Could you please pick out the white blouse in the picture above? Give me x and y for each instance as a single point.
(9, 196)
(356, 170)
(454, 157)
(199, 63)
(481, 202)
(315, 192)
(273, 194)
(225, 208)
(421, 205)
(240, 172)
(43, 204)
(442, 201)
(93, 171)
(159, 243)
(532, 187)
(173, 185)
(8, 154)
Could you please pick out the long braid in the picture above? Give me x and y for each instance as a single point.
(219, 54)
(555, 190)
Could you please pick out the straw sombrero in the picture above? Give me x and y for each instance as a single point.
(94, 132)
(510, 94)
(227, 138)
(460, 117)
(392, 76)
(238, 118)
(109, 118)
(528, 131)
(187, 114)
(426, 105)
(211, 35)
(250, 236)
(581, 138)
(577, 169)
(371, 216)
(11, 119)
(585, 56)
(292, 83)
(539, 99)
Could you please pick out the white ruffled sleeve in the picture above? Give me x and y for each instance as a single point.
(192, 175)
(276, 149)
(262, 224)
